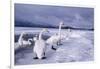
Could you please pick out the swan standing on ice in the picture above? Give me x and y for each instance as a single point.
(68, 34)
(56, 38)
(22, 42)
(40, 46)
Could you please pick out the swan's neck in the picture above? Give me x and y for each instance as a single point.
(21, 36)
(59, 33)
(40, 35)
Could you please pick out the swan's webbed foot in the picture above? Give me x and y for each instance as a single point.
(53, 48)
(35, 57)
(43, 57)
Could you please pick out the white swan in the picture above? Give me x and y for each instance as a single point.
(68, 34)
(40, 46)
(56, 38)
(22, 42)
(35, 38)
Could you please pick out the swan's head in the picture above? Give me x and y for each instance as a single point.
(61, 23)
(45, 30)
(23, 33)
(22, 36)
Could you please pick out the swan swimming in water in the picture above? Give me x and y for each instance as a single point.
(22, 42)
(56, 38)
(40, 46)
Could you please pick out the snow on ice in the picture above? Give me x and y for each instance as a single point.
(78, 47)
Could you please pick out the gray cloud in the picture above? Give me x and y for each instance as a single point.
(52, 15)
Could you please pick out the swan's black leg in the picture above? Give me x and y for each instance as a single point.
(57, 43)
(44, 53)
(35, 57)
(44, 56)
(53, 48)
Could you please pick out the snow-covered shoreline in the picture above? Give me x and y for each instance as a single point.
(79, 47)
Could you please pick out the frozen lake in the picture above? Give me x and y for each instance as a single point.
(79, 47)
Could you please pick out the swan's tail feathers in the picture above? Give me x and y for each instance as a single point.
(53, 48)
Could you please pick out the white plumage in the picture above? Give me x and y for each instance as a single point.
(56, 38)
(22, 42)
(68, 34)
(53, 39)
(40, 45)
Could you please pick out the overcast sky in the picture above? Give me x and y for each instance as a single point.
(30, 14)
